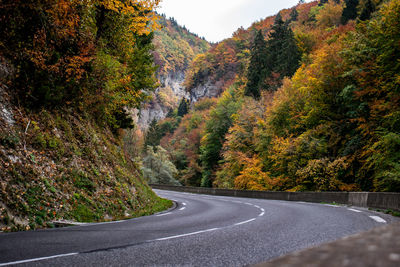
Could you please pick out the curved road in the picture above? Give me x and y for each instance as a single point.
(201, 231)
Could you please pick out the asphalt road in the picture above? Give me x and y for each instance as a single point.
(201, 231)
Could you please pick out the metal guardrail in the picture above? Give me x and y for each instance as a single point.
(376, 200)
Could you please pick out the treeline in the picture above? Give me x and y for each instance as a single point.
(92, 55)
(175, 46)
(320, 115)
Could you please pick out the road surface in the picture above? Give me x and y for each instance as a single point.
(201, 231)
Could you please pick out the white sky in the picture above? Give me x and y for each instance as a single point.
(218, 19)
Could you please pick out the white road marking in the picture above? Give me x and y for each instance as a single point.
(182, 208)
(258, 207)
(38, 259)
(329, 205)
(194, 233)
(159, 215)
(184, 204)
(245, 221)
(262, 209)
(378, 219)
(247, 203)
(261, 214)
(355, 210)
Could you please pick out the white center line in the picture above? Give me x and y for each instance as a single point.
(194, 233)
(245, 221)
(184, 204)
(261, 214)
(378, 219)
(182, 208)
(38, 259)
(355, 210)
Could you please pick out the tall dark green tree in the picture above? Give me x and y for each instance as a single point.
(283, 53)
(367, 10)
(183, 108)
(293, 15)
(153, 135)
(258, 69)
(350, 11)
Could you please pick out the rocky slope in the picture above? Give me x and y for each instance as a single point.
(175, 49)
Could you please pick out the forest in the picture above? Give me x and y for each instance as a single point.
(310, 102)
(70, 71)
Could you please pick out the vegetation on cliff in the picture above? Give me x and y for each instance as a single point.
(69, 70)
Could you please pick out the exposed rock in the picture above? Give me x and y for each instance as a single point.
(209, 89)
(166, 98)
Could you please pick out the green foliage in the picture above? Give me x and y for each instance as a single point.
(216, 128)
(89, 55)
(350, 11)
(183, 108)
(157, 168)
(258, 68)
(176, 47)
(283, 54)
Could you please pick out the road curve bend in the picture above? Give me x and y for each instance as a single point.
(201, 231)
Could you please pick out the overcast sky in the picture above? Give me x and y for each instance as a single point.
(218, 19)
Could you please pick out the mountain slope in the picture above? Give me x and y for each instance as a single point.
(330, 126)
(68, 71)
(174, 49)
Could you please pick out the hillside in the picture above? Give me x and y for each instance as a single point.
(307, 100)
(175, 47)
(68, 71)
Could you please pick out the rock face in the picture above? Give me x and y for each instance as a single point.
(208, 89)
(165, 99)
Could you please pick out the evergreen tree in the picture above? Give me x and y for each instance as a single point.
(322, 2)
(257, 71)
(283, 54)
(367, 10)
(350, 11)
(183, 108)
(293, 15)
(153, 135)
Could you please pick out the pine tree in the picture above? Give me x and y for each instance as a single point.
(367, 10)
(293, 15)
(283, 54)
(153, 135)
(350, 11)
(183, 108)
(257, 71)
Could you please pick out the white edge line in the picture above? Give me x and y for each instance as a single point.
(354, 210)
(194, 233)
(378, 219)
(159, 215)
(333, 206)
(39, 259)
(245, 221)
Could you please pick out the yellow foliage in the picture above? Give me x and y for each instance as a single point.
(329, 16)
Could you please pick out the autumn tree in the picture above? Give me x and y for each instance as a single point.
(94, 54)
